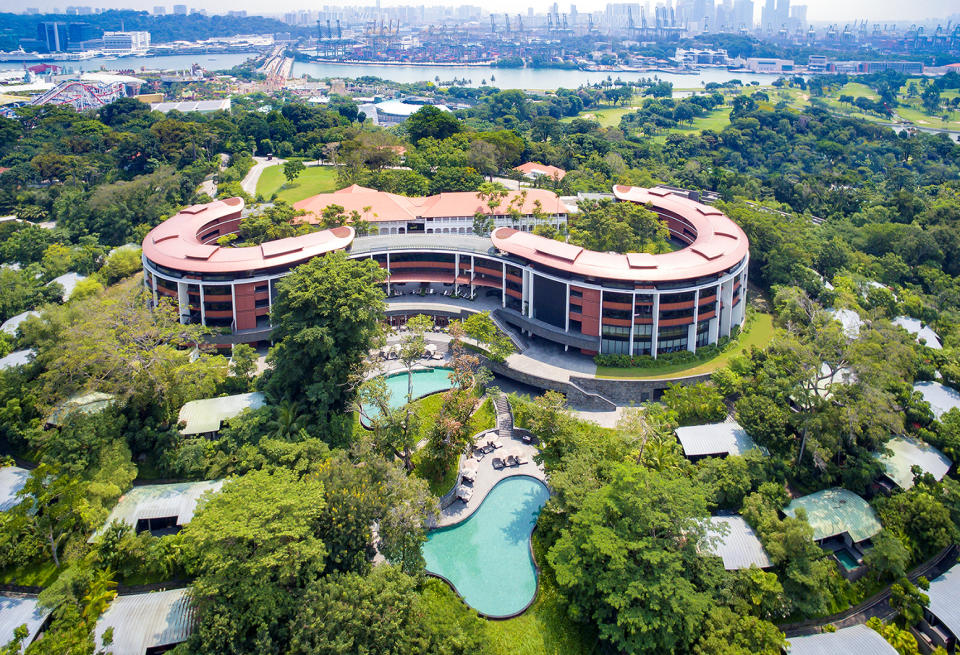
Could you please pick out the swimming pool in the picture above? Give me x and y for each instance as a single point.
(487, 557)
(425, 381)
(846, 559)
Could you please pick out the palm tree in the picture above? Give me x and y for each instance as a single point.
(288, 421)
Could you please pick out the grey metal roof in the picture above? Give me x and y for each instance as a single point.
(944, 596)
(17, 610)
(834, 511)
(10, 325)
(206, 415)
(69, 282)
(941, 398)
(916, 327)
(855, 640)
(12, 480)
(17, 358)
(714, 439)
(849, 319)
(142, 621)
(908, 452)
(739, 548)
(85, 403)
(156, 501)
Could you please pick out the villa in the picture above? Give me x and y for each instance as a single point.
(941, 618)
(843, 523)
(21, 609)
(714, 440)
(160, 509)
(146, 624)
(534, 170)
(855, 640)
(733, 540)
(17, 358)
(85, 403)
(907, 453)
(941, 397)
(205, 417)
(594, 302)
(12, 480)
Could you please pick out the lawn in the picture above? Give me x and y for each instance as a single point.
(609, 117)
(758, 333)
(313, 180)
(38, 574)
(716, 120)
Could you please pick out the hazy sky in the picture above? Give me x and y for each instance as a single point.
(818, 10)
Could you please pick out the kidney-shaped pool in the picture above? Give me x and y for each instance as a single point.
(487, 557)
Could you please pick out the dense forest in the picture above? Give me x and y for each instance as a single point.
(841, 214)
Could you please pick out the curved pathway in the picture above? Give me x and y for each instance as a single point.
(249, 182)
(487, 476)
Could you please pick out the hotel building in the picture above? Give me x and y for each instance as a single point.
(594, 302)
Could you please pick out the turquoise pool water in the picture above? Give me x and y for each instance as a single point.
(846, 559)
(425, 381)
(487, 557)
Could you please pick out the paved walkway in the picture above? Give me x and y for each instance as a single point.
(249, 183)
(487, 476)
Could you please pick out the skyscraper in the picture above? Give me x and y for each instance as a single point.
(53, 35)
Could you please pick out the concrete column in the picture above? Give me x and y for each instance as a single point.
(566, 315)
(233, 303)
(692, 334)
(530, 275)
(203, 309)
(153, 279)
(726, 307)
(655, 328)
(183, 301)
(633, 318)
(503, 286)
(388, 274)
(456, 272)
(473, 264)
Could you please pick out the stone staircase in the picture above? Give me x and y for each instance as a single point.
(504, 417)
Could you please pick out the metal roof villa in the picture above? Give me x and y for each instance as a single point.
(203, 416)
(739, 548)
(86, 403)
(941, 398)
(17, 610)
(908, 452)
(157, 501)
(944, 594)
(12, 480)
(836, 511)
(714, 439)
(143, 622)
(855, 640)
(17, 358)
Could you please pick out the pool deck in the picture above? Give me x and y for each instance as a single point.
(487, 479)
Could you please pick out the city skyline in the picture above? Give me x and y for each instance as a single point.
(818, 11)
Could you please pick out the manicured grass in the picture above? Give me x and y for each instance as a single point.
(609, 117)
(38, 574)
(757, 333)
(313, 180)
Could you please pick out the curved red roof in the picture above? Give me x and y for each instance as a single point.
(719, 245)
(176, 242)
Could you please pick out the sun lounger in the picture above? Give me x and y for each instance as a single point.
(526, 438)
(468, 474)
(498, 463)
(512, 461)
(437, 356)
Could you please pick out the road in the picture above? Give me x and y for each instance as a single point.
(249, 183)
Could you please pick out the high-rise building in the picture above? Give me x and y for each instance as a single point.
(53, 35)
(743, 14)
(159, 10)
(180, 10)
